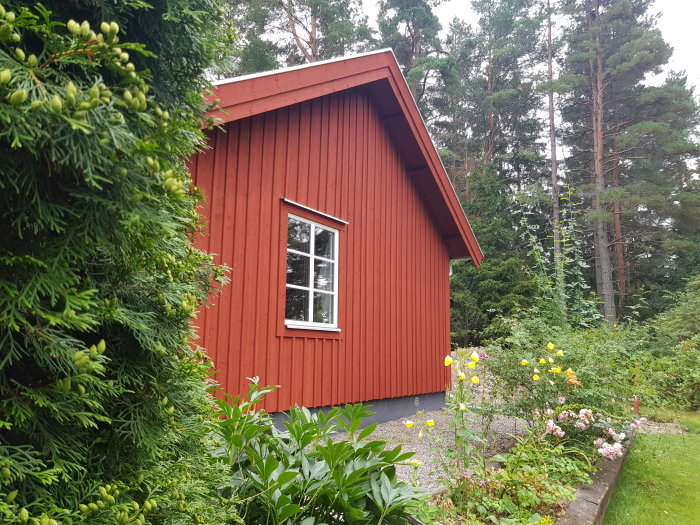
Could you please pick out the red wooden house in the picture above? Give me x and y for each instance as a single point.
(327, 199)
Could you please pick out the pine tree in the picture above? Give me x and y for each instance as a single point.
(410, 29)
(558, 259)
(104, 411)
(619, 129)
(292, 32)
(483, 119)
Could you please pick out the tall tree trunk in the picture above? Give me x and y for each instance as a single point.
(415, 34)
(313, 38)
(600, 233)
(619, 244)
(556, 226)
(490, 146)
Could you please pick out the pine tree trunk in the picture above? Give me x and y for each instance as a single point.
(556, 226)
(619, 244)
(600, 234)
(490, 146)
(313, 39)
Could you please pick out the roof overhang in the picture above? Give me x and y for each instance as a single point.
(379, 73)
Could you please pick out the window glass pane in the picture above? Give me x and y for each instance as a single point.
(323, 275)
(297, 305)
(323, 308)
(298, 269)
(299, 235)
(324, 244)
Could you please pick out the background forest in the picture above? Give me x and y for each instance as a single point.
(578, 175)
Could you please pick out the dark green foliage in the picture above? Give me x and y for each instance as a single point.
(183, 37)
(682, 321)
(498, 287)
(481, 111)
(304, 475)
(103, 402)
(670, 376)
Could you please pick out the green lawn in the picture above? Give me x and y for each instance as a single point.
(660, 483)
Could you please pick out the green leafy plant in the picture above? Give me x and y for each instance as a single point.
(305, 474)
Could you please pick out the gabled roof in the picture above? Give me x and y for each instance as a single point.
(379, 73)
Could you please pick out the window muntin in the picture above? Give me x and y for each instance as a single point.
(312, 274)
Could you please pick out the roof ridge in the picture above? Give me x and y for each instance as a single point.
(240, 78)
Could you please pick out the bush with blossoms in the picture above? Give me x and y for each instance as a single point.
(587, 427)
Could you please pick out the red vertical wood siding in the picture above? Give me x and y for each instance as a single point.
(331, 154)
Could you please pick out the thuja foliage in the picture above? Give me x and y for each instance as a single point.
(104, 413)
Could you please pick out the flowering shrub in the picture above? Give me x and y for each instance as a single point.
(584, 427)
(535, 479)
(599, 367)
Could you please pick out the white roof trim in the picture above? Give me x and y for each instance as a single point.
(295, 68)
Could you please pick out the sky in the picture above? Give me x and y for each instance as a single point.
(678, 23)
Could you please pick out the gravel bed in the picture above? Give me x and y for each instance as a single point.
(657, 427)
(396, 433)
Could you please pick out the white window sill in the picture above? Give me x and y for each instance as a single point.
(306, 326)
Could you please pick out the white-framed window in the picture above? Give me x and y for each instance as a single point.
(312, 275)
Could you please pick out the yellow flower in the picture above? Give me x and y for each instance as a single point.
(524, 362)
(550, 360)
(551, 383)
(550, 346)
(475, 380)
(461, 376)
(536, 371)
(462, 407)
(430, 422)
(448, 360)
(542, 361)
(535, 377)
(409, 423)
(556, 370)
(471, 365)
(560, 353)
(568, 371)
(474, 357)
(420, 435)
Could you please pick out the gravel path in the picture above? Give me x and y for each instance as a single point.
(649, 426)
(426, 451)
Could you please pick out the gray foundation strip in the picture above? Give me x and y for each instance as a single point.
(591, 501)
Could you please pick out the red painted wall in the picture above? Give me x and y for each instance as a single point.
(331, 154)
